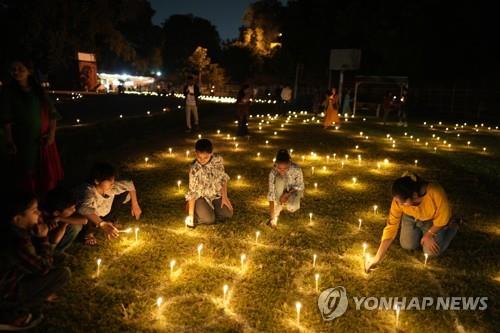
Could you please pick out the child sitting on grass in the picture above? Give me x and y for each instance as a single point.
(28, 274)
(100, 198)
(59, 213)
(207, 197)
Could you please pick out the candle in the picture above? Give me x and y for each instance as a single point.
(128, 230)
(136, 230)
(199, 136)
(243, 258)
(225, 289)
(303, 158)
(334, 156)
(275, 133)
(179, 184)
(342, 164)
(356, 147)
(98, 267)
(375, 208)
(315, 256)
(484, 148)
(426, 256)
(218, 131)
(368, 259)
(398, 309)
(327, 158)
(77, 120)
(187, 153)
(360, 223)
(146, 159)
(258, 154)
(236, 146)
(312, 170)
(316, 279)
(386, 161)
(315, 186)
(170, 151)
(378, 165)
(416, 162)
(310, 217)
(238, 177)
(200, 247)
(354, 180)
(324, 168)
(257, 234)
(267, 142)
(359, 159)
(172, 265)
(159, 302)
(364, 248)
(298, 306)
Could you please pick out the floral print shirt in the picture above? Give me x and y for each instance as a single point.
(206, 181)
(294, 180)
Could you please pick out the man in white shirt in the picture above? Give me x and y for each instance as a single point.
(191, 93)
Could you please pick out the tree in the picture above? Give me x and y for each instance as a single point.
(199, 61)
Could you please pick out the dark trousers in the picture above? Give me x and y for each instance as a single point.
(32, 291)
(207, 215)
(243, 111)
(70, 235)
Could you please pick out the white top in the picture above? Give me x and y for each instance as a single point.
(293, 177)
(190, 99)
(89, 201)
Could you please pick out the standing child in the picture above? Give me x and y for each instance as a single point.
(28, 274)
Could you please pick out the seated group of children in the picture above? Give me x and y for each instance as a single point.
(34, 236)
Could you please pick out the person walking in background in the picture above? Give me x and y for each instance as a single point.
(331, 105)
(346, 104)
(30, 120)
(191, 93)
(243, 108)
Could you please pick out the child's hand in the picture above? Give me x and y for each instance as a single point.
(109, 229)
(225, 202)
(136, 211)
(40, 230)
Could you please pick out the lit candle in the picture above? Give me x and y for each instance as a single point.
(334, 156)
(315, 256)
(267, 142)
(98, 267)
(360, 223)
(128, 230)
(356, 147)
(172, 265)
(484, 148)
(375, 208)
(200, 247)
(258, 154)
(378, 165)
(257, 234)
(199, 136)
(426, 257)
(303, 158)
(170, 151)
(146, 159)
(179, 184)
(275, 133)
(324, 168)
(187, 153)
(398, 309)
(238, 177)
(416, 162)
(368, 259)
(298, 306)
(354, 180)
(342, 164)
(136, 230)
(236, 146)
(225, 289)
(77, 120)
(315, 186)
(218, 131)
(364, 248)
(243, 258)
(312, 170)
(310, 217)
(327, 158)
(316, 279)
(159, 302)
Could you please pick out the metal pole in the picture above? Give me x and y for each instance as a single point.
(341, 83)
(355, 98)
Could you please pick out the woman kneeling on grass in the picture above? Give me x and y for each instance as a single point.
(207, 197)
(424, 213)
(286, 187)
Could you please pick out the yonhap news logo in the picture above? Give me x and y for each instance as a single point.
(333, 303)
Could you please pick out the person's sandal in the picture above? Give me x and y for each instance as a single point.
(271, 225)
(90, 240)
(22, 324)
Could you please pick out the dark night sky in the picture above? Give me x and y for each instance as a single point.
(226, 15)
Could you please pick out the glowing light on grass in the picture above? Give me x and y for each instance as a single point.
(179, 185)
(146, 160)
(316, 280)
(136, 231)
(364, 248)
(354, 180)
(484, 149)
(236, 146)
(170, 151)
(77, 120)
(187, 153)
(121, 116)
(99, 261)
(386, 161)
(315, 256)
(342, 164)
(257, 235)
(327, 158)
(200, 248)
(334, 156)
(379, 165)
(310, 217)
(172, 266)
(267, 142)
(375, 209)
(218, 131)
(360, 221)
(238, 177)
(312, 170)
(426, 257)
(315, 186)
(127, 231)
(303, 158)
(258, 154)
(416, 162)
(298, 307)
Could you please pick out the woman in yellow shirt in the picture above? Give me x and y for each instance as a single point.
(424, 213)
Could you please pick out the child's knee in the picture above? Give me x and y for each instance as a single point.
(409, 244)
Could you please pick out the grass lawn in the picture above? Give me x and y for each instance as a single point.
(279, 270)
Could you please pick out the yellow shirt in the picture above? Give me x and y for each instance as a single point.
(434, 206)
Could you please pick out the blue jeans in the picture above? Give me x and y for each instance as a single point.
(412, 232)
(72, 231)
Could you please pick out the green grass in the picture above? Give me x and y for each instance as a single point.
(279, 270)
